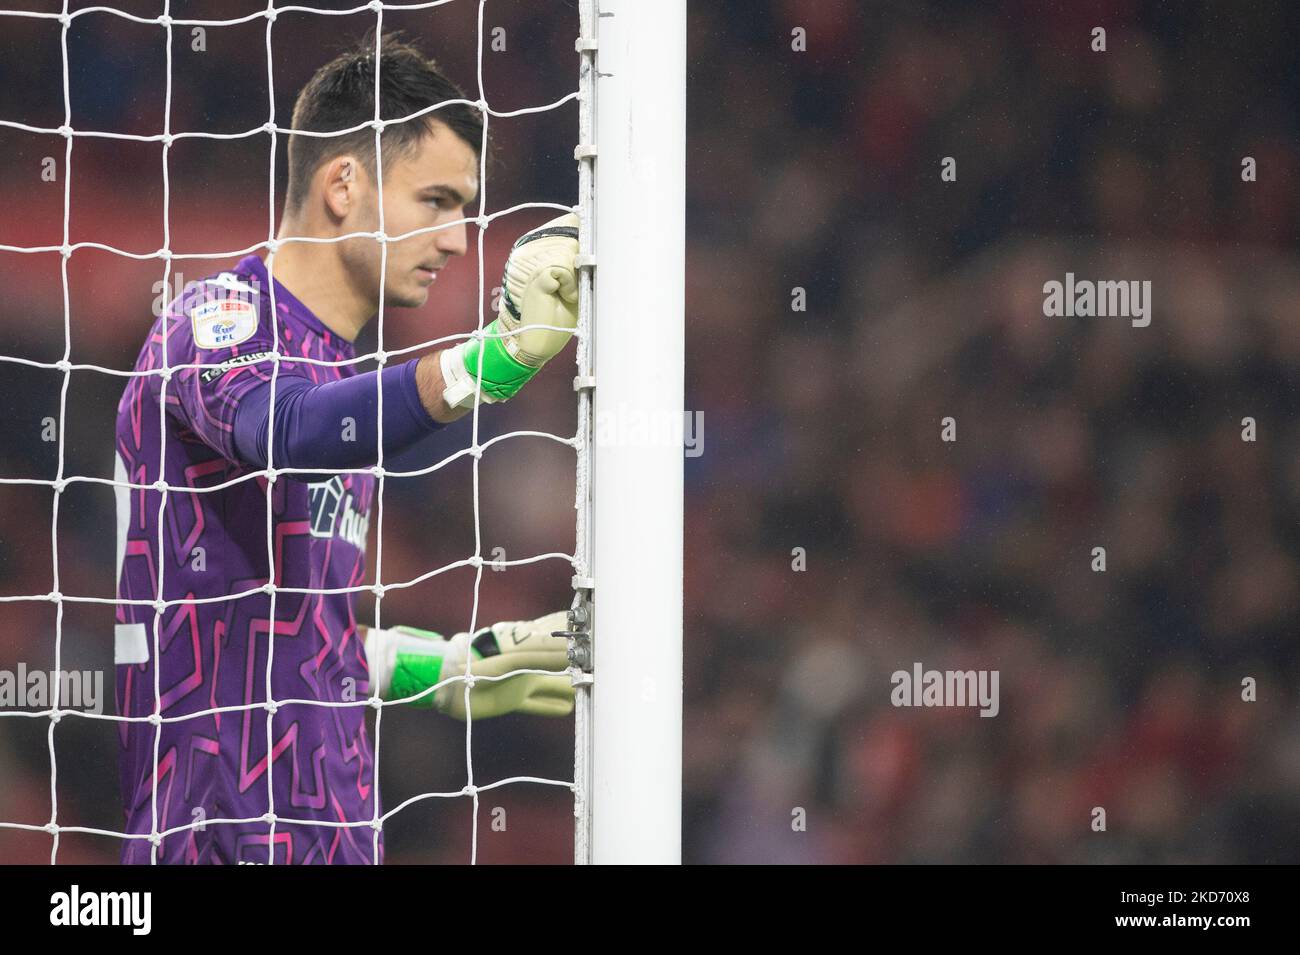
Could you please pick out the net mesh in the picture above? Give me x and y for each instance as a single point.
(381, 355)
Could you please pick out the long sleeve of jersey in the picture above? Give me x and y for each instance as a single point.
(333, 425)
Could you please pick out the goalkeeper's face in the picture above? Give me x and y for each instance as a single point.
(429, 187)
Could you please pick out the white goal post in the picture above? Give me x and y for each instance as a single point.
(632, 180)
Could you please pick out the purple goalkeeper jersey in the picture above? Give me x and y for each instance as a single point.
(215, 654)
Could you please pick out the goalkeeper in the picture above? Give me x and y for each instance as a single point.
(218, 423)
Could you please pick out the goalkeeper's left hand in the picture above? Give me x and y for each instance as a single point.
(405, 661)
(539, 288)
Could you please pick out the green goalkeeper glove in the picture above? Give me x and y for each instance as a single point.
(405, 661)
(540, 287)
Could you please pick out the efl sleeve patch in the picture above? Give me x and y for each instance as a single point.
(223, 323)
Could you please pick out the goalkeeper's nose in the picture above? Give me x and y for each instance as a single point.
(452, 240)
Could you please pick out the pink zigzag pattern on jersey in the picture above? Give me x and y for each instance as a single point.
(146, 788)
(185, 619)
(199, 746)
(184, 548)
(315, 636)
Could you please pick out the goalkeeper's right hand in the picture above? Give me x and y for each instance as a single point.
(540, 288)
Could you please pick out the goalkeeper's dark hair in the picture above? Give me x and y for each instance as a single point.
(342, 94)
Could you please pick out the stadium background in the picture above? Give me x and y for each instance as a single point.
(817, 170)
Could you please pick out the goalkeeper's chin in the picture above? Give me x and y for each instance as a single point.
(413, 292)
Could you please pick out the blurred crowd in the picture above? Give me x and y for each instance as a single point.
(843, 300)
(1120, 689)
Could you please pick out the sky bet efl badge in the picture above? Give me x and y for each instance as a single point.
(223, 323)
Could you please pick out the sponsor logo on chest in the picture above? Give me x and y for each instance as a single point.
(334, 513)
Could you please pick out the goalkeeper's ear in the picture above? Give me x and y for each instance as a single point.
(341, 181)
